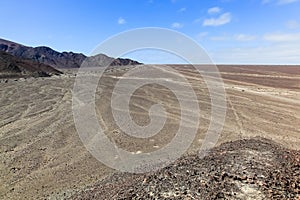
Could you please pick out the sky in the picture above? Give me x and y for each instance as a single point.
(230, 31)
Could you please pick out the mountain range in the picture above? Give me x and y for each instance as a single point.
(14, 67)
(58, 60)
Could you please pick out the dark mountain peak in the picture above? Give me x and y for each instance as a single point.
(44, 48)
(104, 60)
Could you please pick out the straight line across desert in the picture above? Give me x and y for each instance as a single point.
(172, 138)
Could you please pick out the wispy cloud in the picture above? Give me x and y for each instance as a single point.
(201, 35)
(183, 9)
(265, 1)
(220, 38)
(292, 24)
(282, 37)
(281, 48)
(177, 25)
(227, 37)
(270, 37)
(121, 21)
(244, 37)
(221, 20)
(278, 53)
(279, 2)
(214, 10)
(198, 20)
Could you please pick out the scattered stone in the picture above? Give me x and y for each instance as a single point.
(225, 173)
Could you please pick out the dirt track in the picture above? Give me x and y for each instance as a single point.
(41, 155)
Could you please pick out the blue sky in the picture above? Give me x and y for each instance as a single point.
(231, 31)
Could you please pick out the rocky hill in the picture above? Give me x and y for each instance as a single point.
(14, 67)
(53, 58)
(246, 169)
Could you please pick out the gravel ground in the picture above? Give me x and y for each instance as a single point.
(245, 169)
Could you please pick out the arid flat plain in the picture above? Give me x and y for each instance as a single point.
(42, 156)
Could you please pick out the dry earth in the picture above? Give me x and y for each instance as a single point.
(41, 155)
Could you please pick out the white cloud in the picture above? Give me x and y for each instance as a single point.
(121, 21)
(223, 19)
(282, 48)
(177, 25)
(182, 9)
(214, 10)
(244, 37)
(236, 37)
(279, 2)
(292, 24)
(282, 37)
(279, 53)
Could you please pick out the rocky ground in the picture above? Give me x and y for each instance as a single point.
(42, 156)
(245, 169)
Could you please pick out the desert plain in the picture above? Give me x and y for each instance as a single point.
(42, 156)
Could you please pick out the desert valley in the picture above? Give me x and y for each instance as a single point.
(42, 156)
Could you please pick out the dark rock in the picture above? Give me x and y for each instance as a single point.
(227, 175)
(14, 67)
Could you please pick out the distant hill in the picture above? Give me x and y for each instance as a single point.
(14, 67)
(53, 58)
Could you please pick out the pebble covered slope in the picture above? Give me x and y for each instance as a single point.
(245, 169)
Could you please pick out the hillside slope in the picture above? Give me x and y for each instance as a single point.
(13, 67)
